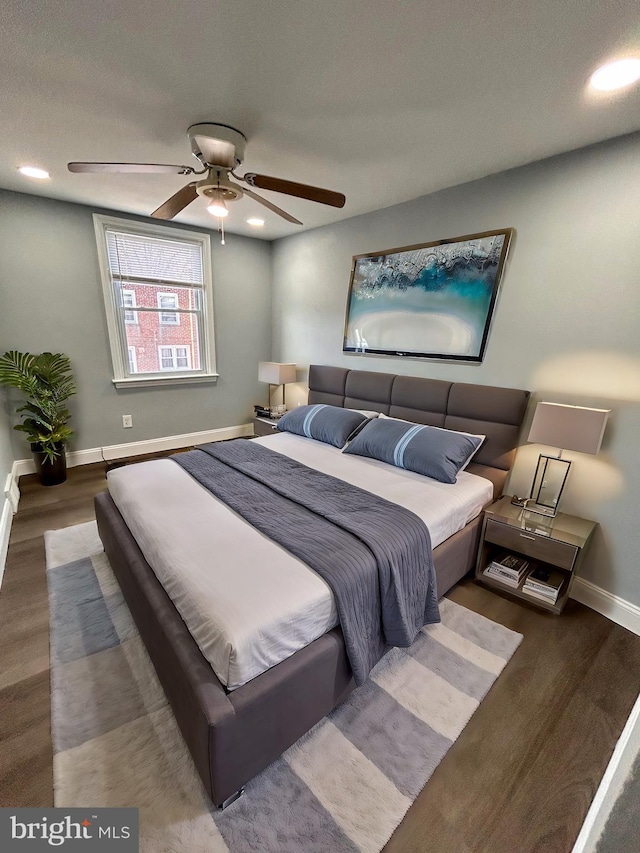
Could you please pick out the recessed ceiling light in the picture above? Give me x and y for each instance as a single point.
(34, 172)
(616, 75)
(257, 223)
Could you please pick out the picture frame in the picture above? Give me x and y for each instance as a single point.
(430, 300)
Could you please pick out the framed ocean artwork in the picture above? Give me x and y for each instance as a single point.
(435, 300)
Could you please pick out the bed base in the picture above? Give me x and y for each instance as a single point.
(233, 736)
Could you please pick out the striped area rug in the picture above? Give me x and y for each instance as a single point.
(344, 786)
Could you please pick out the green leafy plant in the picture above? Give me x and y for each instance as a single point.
(47, 382)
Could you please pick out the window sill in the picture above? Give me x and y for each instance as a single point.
(149, 381)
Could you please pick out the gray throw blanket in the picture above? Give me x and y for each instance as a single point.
(375, 555)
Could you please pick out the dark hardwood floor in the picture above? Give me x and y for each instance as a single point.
(521, 776)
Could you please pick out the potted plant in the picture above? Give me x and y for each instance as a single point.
(47, 382)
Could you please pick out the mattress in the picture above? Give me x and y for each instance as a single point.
(246, 601)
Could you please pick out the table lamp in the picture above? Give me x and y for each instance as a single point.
(276, 374)
(567, 428)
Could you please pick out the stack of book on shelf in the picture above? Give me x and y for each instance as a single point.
(544, 584)
(508, 569)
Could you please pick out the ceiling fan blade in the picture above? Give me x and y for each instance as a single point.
(264, 182)
(271, 206)
(130, 167)
(176, 203)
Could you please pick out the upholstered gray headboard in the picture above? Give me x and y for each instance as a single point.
(495, 412)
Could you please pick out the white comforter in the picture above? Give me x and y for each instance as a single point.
(247, 602)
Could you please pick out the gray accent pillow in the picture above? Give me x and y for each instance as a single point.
(436, 453)
(329, 424)
(472, 434)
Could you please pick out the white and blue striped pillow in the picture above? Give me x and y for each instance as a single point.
(329, 424)
(434, 452)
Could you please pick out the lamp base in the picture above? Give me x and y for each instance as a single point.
(549, 512)
(548, 483)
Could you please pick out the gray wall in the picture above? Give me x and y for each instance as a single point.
(567, 325)
(51, 298)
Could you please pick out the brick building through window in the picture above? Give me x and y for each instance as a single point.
(150, 332)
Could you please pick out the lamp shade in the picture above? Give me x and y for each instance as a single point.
(569, 427)
(275, 373)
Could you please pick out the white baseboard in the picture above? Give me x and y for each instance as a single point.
(617, 609)
(9, 502)
(612, 782)
(139, 448)
(6, 517)
(11, 488)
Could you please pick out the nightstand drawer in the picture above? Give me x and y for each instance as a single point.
(539, 547)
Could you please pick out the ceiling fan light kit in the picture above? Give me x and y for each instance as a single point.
(220, 150)
(217, 207)
(217, 194)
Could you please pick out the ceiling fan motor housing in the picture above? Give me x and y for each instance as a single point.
(217, 144)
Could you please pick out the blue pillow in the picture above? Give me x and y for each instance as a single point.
(434, 452)
(329, 424)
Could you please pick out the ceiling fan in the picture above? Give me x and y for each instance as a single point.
(220, 150)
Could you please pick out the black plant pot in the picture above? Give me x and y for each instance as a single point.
(50, 473)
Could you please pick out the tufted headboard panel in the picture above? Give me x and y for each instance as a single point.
(495, 412)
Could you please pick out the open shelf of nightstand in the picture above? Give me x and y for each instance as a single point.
(517, 592)
(561, 547)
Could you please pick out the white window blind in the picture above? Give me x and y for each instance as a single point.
(138, 257)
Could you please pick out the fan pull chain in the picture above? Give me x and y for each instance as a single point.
(221, 230)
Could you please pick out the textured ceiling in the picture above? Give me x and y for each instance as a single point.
(382, 101)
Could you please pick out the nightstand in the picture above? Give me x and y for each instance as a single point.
(264, 426)
(556, 543)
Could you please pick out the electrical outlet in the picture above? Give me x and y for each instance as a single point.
(127, 421)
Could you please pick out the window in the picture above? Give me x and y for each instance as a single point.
(133, 363)
(129, 301)
(174, 358)
(168, 300)
(158, 298)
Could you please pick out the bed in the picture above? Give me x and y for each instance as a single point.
(243, 698)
